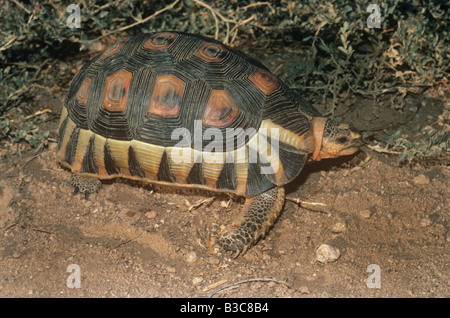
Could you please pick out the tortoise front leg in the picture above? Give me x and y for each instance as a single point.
(260, 213)
(85, 185)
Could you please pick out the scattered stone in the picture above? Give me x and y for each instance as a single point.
(197, 281)
(339, 227)
(425, 222)
(303, 290)
(421, 179)
(327, 254)
(150, 215)
(191, 257)
(170, 269)
(365, 214)
(213, 261)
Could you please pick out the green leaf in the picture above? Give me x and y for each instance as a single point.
(401, 156)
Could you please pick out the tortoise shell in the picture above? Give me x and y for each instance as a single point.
(184, 110)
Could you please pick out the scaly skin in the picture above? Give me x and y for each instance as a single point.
(259, 215)
(85, 185)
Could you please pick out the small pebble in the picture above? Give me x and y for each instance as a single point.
(339, 227)
(170, 269)
(303, 290)
(191, 257)
(365, 214)
(197, 280)
(213, 261)
(327, 254)
(150, 215)
(421, 179)
(425, 222)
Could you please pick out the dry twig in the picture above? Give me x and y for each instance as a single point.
(198, 203)
(139, 21)
(308, 205)
(21, 6)
(214, 285)
(380, 149)
(38, 230)
(248, 281)
(300, 202)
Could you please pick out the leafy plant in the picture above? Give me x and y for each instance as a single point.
(434, 145)
(29, 132)
(5, 128)
(409, 50)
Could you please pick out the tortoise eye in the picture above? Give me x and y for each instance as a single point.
(342, 140)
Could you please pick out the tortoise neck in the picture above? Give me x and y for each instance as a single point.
(317, 129)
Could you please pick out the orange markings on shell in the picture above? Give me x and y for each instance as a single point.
(160, 41)
(211, 52)
(83, 92)
(116, 91)
(166, 96)
(220, 110)
(116, 47)
(265, 81)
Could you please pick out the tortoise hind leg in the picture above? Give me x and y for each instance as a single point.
(85, 185)
(260, 214)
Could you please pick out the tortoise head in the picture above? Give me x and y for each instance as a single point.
(332, 139)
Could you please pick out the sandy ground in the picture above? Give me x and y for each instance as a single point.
(389, 222)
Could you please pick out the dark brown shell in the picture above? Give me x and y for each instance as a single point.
(124, 106)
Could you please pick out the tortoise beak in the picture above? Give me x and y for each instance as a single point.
(355, 143)
(356, 137)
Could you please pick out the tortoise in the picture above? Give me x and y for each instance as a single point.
(183, 110)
